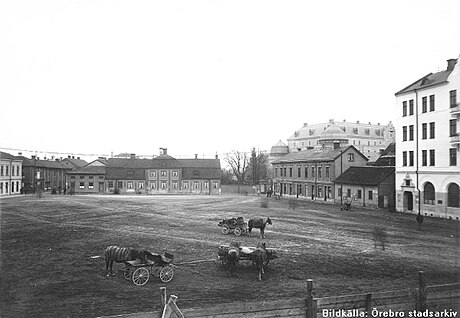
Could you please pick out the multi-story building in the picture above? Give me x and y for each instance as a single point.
(46, 174)
(311, 173)
(89, 178)
(163, 175)
(428, 144)
(369, 138)
(10, 174)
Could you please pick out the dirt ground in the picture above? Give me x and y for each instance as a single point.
(52, 252)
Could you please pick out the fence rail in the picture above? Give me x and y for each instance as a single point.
(370, 305)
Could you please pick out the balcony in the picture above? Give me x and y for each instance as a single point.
(455, 111)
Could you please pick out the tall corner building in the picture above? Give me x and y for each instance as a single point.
(428, 145)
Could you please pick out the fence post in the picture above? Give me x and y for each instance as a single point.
(163, 297)
(421, 299)
(310, 307)
(368, 304)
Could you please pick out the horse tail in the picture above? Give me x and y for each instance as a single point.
(250, 223)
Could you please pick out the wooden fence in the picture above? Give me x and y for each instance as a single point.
(391, 304)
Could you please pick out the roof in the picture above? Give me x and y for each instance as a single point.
(49, 164)
(75, 162)
(89, 170)
(428, 80)
(7, 156)
(327, 154)
(365, 175)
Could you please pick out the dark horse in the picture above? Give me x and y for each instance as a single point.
(123, 254)
(258, 223)
(233, 256)
(260, 259)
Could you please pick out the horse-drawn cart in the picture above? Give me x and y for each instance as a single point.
(245, 254)
(236, 226)
(140, 273)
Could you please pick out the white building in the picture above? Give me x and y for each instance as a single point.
(368, 138)
(428, 145)
(10, 174)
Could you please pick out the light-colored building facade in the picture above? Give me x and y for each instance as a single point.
(428, 145)
(368, 138)
(10, 174)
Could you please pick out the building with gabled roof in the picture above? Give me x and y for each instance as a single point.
(369, 186)
(88, 179)
(311, 173)
(163, 174)
(427, 166)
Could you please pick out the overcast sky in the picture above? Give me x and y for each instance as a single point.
(207, 77)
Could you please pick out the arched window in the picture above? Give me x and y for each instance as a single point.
(453, 196)
(428, 193)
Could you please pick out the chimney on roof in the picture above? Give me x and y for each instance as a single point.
(78, 158)
(196, 156)
(357, 121)
(69, 157)
(132, 156)
(217, 156)
(57, 159)
(19, 153)
(163, 151)
(344, 121)
(305, 124)
(331, 121)
(451, 64)
(73, 157)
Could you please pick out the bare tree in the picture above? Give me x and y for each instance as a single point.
(238, 162)
(258, 167)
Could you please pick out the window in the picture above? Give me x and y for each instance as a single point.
(130, 184)
(411, 107)
(215, 184)
(431, 103)
(290, 172)
(404, 133)
(313, 172)
(453, 98)
(432, 157)
(91, 177)
(153, 185)
(120, 184)
(349, 193)
(285, 170)
(355, 131)
(298, 172)
(91, 185)
(163, 173)
(351, 157)
(404, 157)
(174, 185)
(424, 158)
(411, 132)
(453, 127)
(453, 156)
(185, 184)
(424, 104)
(320, 172)
(82, 177)
(306, 172)
(140, 185)
(367, 131)
(174, 173)
(359, 194)
(339, 192)
(196, 185)
(453, 196)
(432, 130)
(411, 158)
(110, 183)
(206, 185)
(1, 170)
(327, 172)
(428, 193)
(370, 195)
(404, 108)
(424, 131)
(163, 185)
(82, 185)
(377, 132)
(6, 172)
(153, 174)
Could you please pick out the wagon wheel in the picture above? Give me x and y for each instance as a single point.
(140, 276)
(225, 229)
(244, 231)
(166, 274)
(237, 231)
(128, 272)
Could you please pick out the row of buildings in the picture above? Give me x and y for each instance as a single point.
(163, 174)
(418, 172)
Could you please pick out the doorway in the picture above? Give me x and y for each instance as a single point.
(408, 201)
